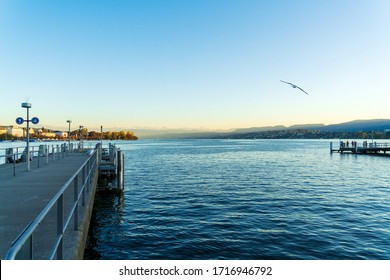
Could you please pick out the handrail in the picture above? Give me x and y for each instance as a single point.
(26, 238)
(364, 144)
(16, 156)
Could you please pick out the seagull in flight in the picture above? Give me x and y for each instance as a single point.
(294, 86)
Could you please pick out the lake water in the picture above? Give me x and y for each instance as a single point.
(244, 199)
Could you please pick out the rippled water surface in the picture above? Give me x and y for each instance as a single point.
(244, 199)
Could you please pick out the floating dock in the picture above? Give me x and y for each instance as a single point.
(373, 148)
(111, 175)
(45, 213)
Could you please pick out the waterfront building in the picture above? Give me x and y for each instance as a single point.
(61, 134)
(3, 130)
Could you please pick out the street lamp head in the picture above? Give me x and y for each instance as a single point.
(26, 105)
(68, 121)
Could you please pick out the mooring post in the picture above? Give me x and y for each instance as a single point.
(331, 147)
(120, 174)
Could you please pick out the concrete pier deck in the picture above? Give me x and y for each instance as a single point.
(22, 198)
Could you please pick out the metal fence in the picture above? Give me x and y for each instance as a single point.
(364, 144)
(60, 218)
(11, 159)
(378, 145)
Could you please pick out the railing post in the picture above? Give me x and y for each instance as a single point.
(47, 154)
(83, 177)
(97, 162)
(60, 226)
(76, 196)
(90, 170)
(87, 175)
(83, 198)
(38, 159)
(31, 247)
(15, 163)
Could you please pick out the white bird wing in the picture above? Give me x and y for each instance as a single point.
(287, 83)
(302, 90)
(294, 86)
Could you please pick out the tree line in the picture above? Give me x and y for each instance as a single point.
(44, 133)
(308, 134)
(112, 135)
(107, 135)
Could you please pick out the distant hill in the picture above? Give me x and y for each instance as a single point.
(359, 125)
(352, 126)
(307, 126)
(278, 127)
(168, 133)
(256, 129)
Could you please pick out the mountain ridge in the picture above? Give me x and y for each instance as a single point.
(350, 126)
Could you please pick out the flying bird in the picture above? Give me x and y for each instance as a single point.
(294, 86)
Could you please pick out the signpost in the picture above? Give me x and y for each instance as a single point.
(81, 136)
(35, 120)
(69, 121)
(101, 136)
(20, 121)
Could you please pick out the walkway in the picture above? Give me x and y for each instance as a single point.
(22, 197)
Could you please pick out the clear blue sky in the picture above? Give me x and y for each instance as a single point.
(193, 63)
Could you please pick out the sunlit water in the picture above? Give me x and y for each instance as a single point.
(244, 199)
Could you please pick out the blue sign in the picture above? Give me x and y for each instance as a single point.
(19, 120)
(35, 120)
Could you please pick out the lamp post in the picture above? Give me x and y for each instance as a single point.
(69, 122)
(81, 136)
(6, 132)
(101, 136)
(21, 121)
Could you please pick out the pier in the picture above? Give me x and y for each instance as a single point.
(45, 212)
(373, 148)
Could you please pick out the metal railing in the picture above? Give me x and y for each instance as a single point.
(11, 158)
(73, 196)
(378, 145)
(364, 144)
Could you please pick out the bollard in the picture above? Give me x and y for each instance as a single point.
(120, 173)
